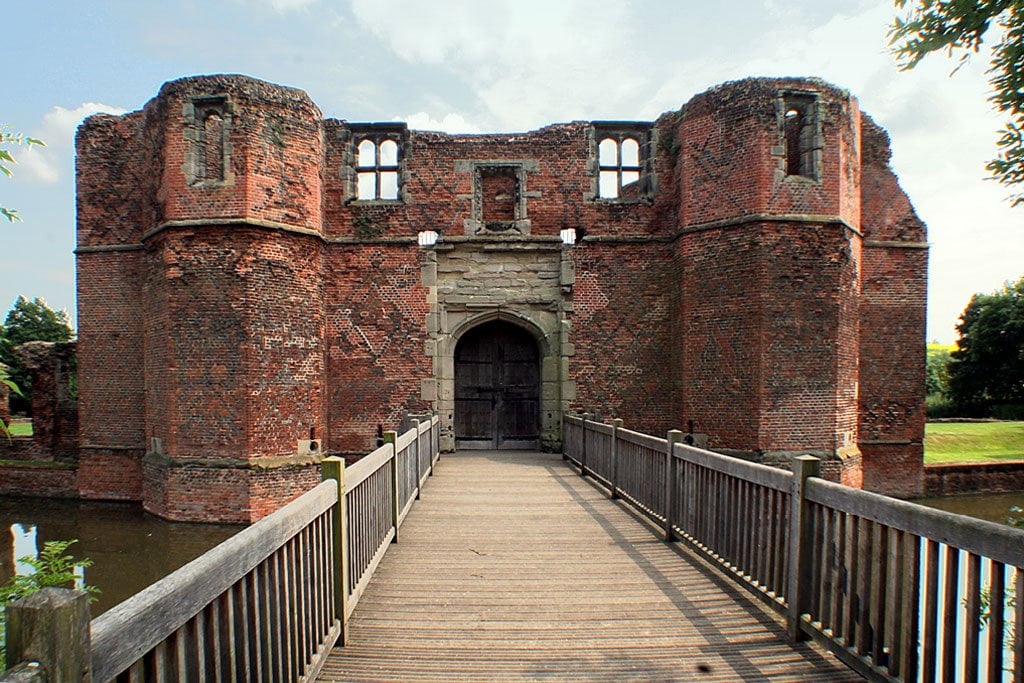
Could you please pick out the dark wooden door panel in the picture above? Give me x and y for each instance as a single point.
(497, 388)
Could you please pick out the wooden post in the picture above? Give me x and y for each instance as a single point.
(616, 426)
(435, 428)
(801, 542)
(583, 452)
(391, 437)
(674, 436)
(334, 468)
(415, 445)
(51, 626)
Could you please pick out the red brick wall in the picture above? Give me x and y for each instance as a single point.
(622, 327)
(950, 479)
(35, 481)
(376, 313)
(892, 312)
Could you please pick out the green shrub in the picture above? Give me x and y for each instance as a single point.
(938, 406)
(1008, 411)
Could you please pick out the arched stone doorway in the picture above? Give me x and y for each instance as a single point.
(497, 387)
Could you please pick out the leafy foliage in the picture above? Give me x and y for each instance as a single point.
(53, 567)
(12, 139)
(30, 321)
(960, 26)
(988, 365)
(937, 369)
(14, 389)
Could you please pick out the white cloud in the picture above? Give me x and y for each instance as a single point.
(282, 6)
(449, 123)
(530, 62)
(57, 130)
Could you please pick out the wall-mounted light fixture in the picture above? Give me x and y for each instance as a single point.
(568, 236)
(427, 238)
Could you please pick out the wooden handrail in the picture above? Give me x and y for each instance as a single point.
(876, 580)
(271, 601)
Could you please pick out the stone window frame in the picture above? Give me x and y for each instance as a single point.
(196, 111)
(520, 224)
(644, 134)
(804, 162)
(378, 133)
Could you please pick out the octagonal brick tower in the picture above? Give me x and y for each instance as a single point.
(200, 260)
(779, 194)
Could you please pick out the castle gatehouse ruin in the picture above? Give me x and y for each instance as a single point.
(257, 286)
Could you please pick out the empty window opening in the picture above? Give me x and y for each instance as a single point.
(800, 135)
(794, 126)
(377, 168)
(618, 161)
(213, 147)
(207, 132)
(500, 194)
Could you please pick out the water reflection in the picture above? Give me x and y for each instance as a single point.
(995, 507)
(130, 549)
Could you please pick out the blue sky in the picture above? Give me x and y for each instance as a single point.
(499, 65)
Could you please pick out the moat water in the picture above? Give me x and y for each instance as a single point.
(995, 507)
(130, 549)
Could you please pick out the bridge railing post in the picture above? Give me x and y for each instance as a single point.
(391, 437)
(616, 426)
(801, 541)
(334, 468)
(51, 629)
(674, 436)
(415, 446)
(583, 445)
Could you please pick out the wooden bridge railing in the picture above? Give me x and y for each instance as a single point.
(876, 580)
(265, 605)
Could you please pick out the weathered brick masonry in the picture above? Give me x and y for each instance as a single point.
(252, 295)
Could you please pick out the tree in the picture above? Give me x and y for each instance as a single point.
(959, 27)
(987, 368)
(8, 139)
(30, 321)
(937, 370)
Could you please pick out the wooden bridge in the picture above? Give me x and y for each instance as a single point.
(661, 562)
(513, 567)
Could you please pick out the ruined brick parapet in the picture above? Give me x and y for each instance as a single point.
(54, 407)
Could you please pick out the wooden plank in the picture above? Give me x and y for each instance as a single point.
(972, 622)
(950, 613)
(371, 567)
(646, 441)
(123, 634)
(763, 475)
(456, 601)
(997, 620)
(879, 597)
(357, 473)
(911, 613)
(996, 541)
(930, 637)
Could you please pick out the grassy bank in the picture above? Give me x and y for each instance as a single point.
(21, 429)
(973, 441)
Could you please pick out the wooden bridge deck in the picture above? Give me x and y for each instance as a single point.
(512, 567)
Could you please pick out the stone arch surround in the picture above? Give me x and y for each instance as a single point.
(526, 298)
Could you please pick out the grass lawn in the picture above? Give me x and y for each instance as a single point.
(973, 441)
(20, 429)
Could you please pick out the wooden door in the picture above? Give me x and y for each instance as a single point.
(497, 388)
